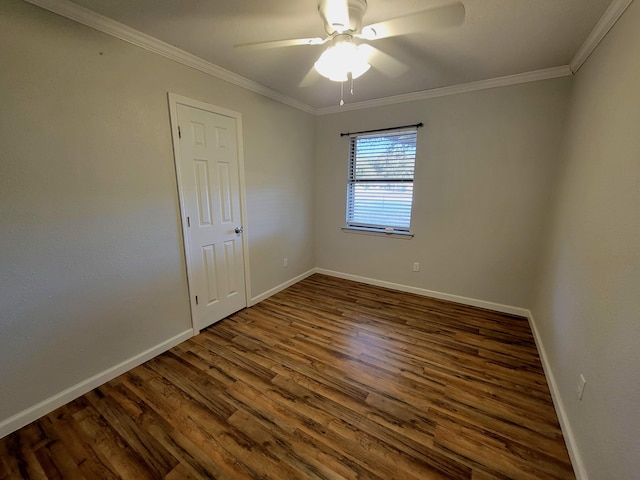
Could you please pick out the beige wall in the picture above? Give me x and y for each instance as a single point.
(91, 265)
(588, 304)
(484, 169)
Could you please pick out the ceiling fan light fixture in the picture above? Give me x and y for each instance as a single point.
(342, 59)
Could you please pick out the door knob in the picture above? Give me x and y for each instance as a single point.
(239, 229)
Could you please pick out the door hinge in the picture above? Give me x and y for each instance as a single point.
(179, 132)
(196, 299)
(188, 221)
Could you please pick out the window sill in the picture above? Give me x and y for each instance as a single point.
(377, 233)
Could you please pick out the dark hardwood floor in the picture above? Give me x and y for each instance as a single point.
(328, 379)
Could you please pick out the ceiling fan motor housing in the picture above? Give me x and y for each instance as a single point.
(336, 19)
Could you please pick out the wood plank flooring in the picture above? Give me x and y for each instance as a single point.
(329, 379)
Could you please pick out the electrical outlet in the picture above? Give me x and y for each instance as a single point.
(285, 262)
(581, 384)
(416, 266)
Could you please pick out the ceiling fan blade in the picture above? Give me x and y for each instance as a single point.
(310, 78)
(440, 17)
(384, 62)
(280, 43)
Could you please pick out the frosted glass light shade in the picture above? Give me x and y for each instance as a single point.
(338, 60)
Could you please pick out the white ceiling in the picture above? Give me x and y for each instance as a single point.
(498, 38)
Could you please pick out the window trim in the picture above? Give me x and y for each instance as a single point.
(404, 234)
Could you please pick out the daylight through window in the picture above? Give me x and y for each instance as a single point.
(380, 183)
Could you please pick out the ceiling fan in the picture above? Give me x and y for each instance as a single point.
(349, 54)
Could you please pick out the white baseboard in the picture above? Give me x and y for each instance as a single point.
(279, 288)
(34, 412)
(498, 307)
(567, 432)
(46, 406)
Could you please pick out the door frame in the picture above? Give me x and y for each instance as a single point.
(174, 101)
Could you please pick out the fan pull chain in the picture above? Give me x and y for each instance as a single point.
(350, 80)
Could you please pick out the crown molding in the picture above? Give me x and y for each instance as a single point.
(548, 73)
(116, 29)
(606, 23)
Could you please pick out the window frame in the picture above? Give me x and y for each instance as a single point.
(385, 229)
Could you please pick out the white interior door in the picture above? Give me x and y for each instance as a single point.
(209, 183)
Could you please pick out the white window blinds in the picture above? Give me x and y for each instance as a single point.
(380, 183)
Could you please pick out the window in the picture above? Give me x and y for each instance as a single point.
(380, 183)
